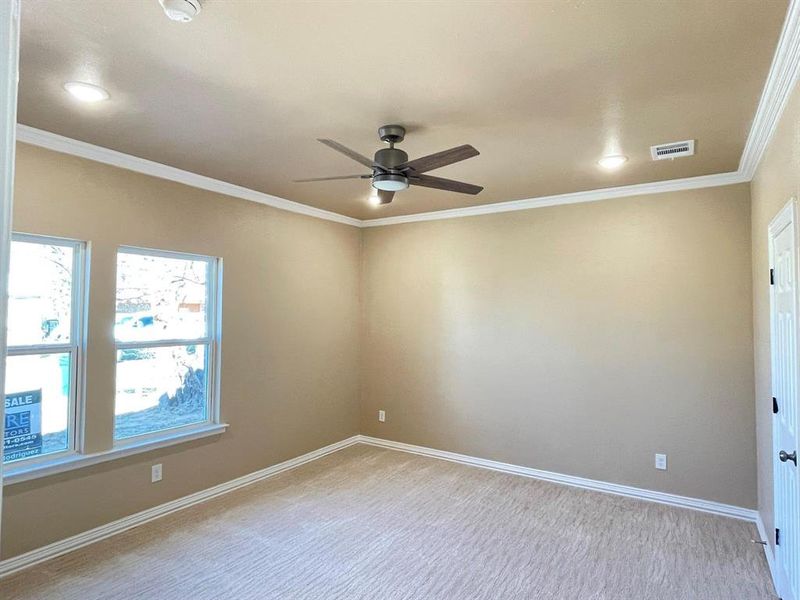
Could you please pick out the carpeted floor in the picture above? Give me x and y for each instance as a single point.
(379, 524)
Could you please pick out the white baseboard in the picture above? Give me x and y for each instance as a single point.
(34, 557)
(717, 508)
(762, 533)
(708, 506)
(39, 555)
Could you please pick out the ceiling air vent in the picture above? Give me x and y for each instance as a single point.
(672, 150)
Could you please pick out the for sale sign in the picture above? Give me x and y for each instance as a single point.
(23, 425)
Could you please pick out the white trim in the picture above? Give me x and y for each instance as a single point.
(47, 240)
(58, 143)
(786, 217)
(40, 349)
(778, 88)
(216, 384)
(39, 555)
(211, 340)
(779, 84)
(83, 335)
(762, 533)
(25, 471)
(717, 508)
(9, 78)
(134, 345)
(639, 189)
(75, 348)
(160, 253)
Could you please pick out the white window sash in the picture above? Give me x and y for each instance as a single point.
(211, 340)
(76, 348)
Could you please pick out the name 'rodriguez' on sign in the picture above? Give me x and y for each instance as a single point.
(23, 425)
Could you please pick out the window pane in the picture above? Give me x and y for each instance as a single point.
(160, 298)
(160, 388)
(40, 294)
(37, 405)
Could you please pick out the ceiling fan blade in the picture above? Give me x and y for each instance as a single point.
(360, 158)
(440, 159)
(332, 178)
(444, 184)
(386, 197)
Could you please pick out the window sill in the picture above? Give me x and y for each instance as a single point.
(18, 473)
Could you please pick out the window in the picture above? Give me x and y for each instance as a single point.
(167, 344)
(45, 346)
(166, 332)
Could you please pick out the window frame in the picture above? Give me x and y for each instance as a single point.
(212, 341)
(76, 348)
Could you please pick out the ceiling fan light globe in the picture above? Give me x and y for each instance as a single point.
(389, 182)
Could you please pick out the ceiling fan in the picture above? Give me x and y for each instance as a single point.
(393, 172)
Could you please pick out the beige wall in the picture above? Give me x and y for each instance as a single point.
(777, 180)
(580, 339)
(290, 341)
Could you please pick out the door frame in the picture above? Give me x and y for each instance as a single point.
(790, 212)
(9, 77)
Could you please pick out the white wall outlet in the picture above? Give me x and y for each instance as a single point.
(382, 416)
(661, 462)
(155, 473)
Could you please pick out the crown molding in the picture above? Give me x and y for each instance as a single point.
(59, 143)
(780, 82)
(778, 88)
(639, 189)
(65, 145)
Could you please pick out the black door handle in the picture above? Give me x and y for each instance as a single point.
(784, 456)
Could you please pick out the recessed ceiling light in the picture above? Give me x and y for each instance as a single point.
(374, 198)
(86, 92)
(615, 161)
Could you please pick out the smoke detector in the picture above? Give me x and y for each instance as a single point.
(672, 150)
(182, 11)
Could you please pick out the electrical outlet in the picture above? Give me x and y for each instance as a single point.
(155, 473)
(382, 416)
(661, 462)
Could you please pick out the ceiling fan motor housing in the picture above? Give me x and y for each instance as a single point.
(391, 181)
(389, 158)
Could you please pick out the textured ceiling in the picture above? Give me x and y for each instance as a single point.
(542, 89)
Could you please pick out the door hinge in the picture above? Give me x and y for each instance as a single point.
(777, 537)
(774, 405)
(772, 276)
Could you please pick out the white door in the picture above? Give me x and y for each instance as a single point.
(783, 317)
